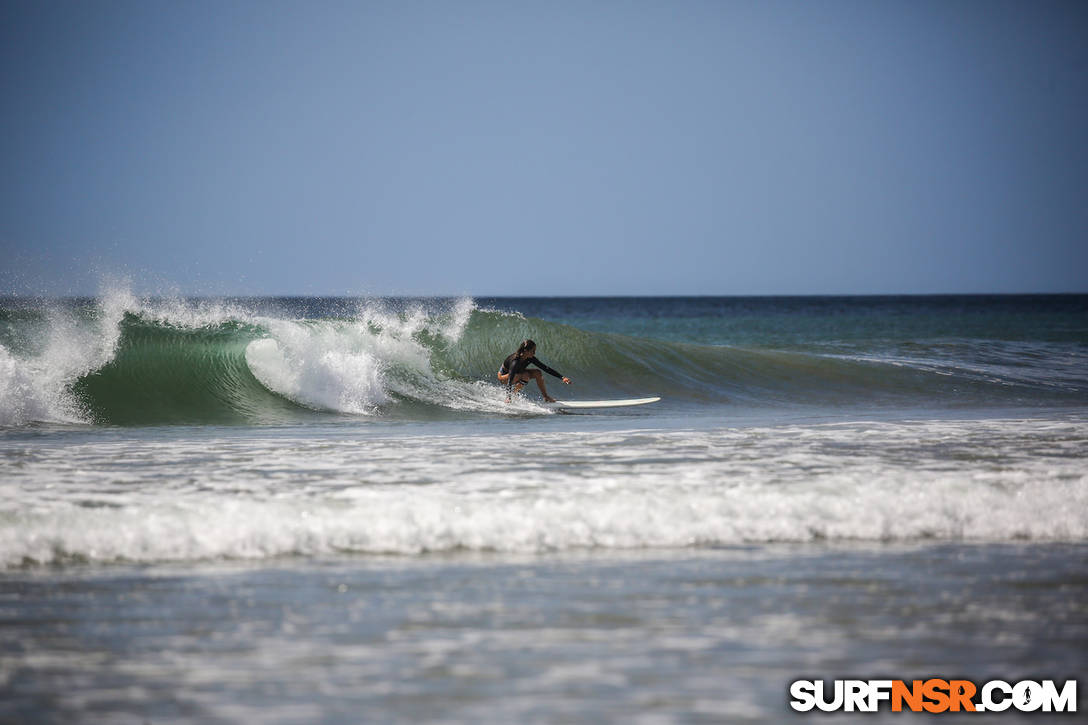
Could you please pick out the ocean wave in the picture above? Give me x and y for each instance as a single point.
(120, 360)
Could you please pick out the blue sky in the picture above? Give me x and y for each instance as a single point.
(558, 148)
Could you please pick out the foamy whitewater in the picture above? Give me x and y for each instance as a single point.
(199, 496)
(276, 495)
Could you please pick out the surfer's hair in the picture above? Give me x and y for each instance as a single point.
(525, 346)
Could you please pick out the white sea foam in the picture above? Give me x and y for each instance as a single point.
(358, 365)
(257, 498)
(35, 386)
(319, 366)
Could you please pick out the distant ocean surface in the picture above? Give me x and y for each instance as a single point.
(324, 509)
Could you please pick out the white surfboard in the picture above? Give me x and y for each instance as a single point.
(601, 403)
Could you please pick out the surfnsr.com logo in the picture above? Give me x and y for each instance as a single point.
(934, 696)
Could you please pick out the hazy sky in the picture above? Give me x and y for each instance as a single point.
(540, 148)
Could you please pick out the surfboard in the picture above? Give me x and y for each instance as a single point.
(601, 403)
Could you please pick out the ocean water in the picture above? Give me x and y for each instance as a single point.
(324, 510)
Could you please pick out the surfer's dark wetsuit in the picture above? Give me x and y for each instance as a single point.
(513, 365)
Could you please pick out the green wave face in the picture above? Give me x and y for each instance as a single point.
(126, 362)
(716, 374)
(164, 374)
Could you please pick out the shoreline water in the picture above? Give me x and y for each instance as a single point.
(682, 636)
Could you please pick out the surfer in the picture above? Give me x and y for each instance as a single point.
(515, 371)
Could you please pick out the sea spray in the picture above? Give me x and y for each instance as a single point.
(70, 342)
(361, 364)
(322, 368)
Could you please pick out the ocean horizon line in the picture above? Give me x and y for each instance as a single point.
(409, 296)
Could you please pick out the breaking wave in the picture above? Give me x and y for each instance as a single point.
(119, 360)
